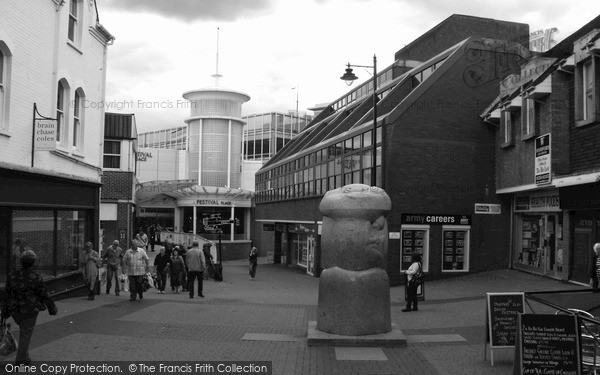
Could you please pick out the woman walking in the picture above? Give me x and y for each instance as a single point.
(25, 296)
(177, 269)
(91, 262)
(253, 258)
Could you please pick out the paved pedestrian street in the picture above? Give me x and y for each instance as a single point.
(266, 319)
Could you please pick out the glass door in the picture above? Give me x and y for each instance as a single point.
(549, 246)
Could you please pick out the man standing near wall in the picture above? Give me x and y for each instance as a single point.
(113, 256)
(196, 264)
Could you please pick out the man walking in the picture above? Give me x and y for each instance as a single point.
(113, 256)
(196, 264)
(135, 265)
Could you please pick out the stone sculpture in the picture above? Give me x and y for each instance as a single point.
(354, 289)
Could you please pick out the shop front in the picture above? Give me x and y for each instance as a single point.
(296, 245)
(538, 234)
(582, 202)
(52, 216)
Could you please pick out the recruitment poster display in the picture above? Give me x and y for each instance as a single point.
(547, 344)
(501, 320)
(412, 243)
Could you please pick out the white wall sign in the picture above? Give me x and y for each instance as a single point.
(44, 135)
(488, 209)
(543, 160)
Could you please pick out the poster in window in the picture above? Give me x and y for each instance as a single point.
(526, 244)
(527, 234)
(454, 250)
(412, 243)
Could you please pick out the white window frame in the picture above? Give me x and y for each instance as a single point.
(467, 246)
(74, 26)
(507, 127)
(77, 129)
(5, 68)
(62, 96)
(587, 74)
(120, 154)
(425, 257)
(528, 118)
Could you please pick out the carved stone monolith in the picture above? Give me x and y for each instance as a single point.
(354, 289)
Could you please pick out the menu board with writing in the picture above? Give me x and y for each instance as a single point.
(413, 242)
(547, 344)
(503, 309)
(454, 250)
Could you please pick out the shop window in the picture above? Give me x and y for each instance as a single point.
(455, 250)
(507, 128)
(528, 119)
(587, 97)
(300, 248)
(112, 154)
(529, 241)
(415, 240)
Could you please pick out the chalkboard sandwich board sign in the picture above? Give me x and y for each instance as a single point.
(501, 319)
(547, 344)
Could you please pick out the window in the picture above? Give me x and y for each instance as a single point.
(455, 256)
(74, 13)
(77, 121)
(60, 112)
(528, 119)
(507, 125)
(587, 98)
(415, 240)
(2, 89)
(112, 154)
(588, 90)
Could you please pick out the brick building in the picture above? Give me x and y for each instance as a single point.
(432, 157)
(117, 213)
(52, 72)
(547, 121)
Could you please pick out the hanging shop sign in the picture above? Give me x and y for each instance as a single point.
(45, 134)
(543, 160)
(427, 219)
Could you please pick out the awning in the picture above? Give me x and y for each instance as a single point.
(577, 180)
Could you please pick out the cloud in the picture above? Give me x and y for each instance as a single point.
(195, 10)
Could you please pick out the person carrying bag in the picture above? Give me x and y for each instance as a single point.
(414, 275)
(25, 296)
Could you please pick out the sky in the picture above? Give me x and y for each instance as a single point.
(285, 54)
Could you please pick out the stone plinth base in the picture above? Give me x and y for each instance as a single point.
(319, 338)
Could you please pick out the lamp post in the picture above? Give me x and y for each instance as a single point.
(349, 77)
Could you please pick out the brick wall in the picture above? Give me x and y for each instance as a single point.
(117, 185)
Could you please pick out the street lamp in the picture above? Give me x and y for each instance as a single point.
(350, 77)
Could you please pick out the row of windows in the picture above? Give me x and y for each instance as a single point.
(175, 138)
(69, 121)
(334, 166)
(523, 114)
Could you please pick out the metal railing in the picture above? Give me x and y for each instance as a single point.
(589, 326)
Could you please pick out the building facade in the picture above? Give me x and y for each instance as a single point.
(52, 72)
(192, 176)
(430, 155)
(547, 123)
(117, 206)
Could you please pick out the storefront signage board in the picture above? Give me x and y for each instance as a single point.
(548, 201)
(502, 310)
(488, 209)
(432, 219)
(543, 160)
(547, 344)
